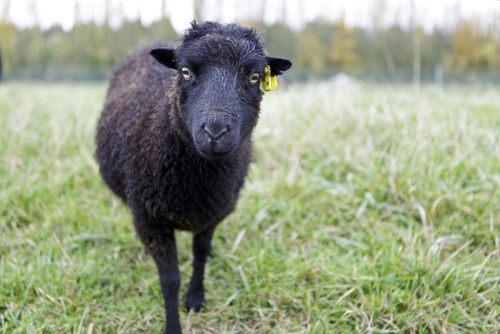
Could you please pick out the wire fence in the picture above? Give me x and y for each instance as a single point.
(53, 73)
(437, 76)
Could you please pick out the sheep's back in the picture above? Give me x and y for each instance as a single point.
(138, 89)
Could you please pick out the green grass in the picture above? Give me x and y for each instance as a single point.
(368, 210)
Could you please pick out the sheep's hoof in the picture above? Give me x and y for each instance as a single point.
(194, 303)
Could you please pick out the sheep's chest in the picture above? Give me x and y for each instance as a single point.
(193, 196)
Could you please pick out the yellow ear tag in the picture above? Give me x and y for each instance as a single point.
(268, 82)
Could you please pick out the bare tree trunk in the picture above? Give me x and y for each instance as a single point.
(416, 46)
(390, 63)
(77, 15)
(5, 10)
(0, 64)
(198, 8)
(3, 19)
(263, 10)
(33, 10)
(379, 10)
(106, 14)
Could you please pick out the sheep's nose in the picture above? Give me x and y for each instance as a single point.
(215, 132)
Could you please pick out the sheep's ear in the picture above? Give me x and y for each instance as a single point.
(278, 65)
(165, 56)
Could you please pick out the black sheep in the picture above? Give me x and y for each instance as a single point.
(174, 142)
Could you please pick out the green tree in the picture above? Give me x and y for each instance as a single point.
(342, 48)
(313, 52)
(472, 48)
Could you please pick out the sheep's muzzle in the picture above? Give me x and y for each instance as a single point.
(216, 138)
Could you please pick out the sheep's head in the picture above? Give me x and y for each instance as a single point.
(220, 68)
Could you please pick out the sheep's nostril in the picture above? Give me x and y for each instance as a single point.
(215, 134)
(222, 132)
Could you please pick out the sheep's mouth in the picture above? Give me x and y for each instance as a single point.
(213, 155)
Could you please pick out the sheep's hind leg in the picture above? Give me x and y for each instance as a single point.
(202, 245)
(160, 244)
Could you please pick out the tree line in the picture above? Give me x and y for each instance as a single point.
(320, 49)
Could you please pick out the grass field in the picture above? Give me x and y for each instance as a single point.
(373, 209)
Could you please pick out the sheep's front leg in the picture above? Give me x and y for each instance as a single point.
(160, 244)
(202, 245)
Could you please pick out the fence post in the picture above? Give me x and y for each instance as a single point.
(439, 75)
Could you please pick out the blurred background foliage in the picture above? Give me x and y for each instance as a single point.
(469, 49)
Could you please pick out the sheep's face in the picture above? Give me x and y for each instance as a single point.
(218, 86)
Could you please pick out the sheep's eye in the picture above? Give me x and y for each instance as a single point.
(187, 73)
(254, 78)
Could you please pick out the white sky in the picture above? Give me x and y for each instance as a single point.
(356, 12)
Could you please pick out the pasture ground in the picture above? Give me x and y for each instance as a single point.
(369, 209)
